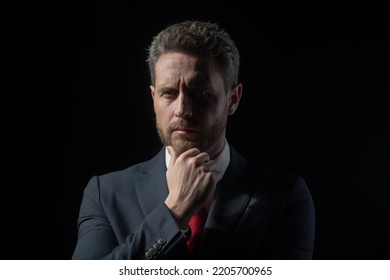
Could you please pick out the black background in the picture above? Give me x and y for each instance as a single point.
(75, 102)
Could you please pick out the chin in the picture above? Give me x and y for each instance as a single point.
(181, 146)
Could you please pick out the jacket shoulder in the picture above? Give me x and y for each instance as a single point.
(126, 177)
(268, 179)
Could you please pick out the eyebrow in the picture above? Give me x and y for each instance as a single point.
(165, 88)
(199, 80)
(195, 82)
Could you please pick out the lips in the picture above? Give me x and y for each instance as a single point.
(184, 131)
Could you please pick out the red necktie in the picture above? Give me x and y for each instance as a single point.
(196, 225)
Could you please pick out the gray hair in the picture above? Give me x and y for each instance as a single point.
(201, 38)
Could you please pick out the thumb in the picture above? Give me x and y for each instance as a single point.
(173, 155)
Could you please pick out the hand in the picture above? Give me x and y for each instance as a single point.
(192, 179)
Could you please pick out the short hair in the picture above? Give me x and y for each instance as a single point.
(200, 38)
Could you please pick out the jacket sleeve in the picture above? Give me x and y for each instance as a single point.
(156, 237)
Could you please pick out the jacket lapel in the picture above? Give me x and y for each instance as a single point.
(152, 188)
(231, 199)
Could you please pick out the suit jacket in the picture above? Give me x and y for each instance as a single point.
(257, 213)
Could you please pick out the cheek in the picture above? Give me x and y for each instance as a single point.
(163, 113)
(210, 117)
(215, 112)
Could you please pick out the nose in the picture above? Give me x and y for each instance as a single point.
(183, 105)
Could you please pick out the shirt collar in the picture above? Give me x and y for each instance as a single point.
(222, 159)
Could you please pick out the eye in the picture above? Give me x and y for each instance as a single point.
(206, 93)
(168, 93)
(202, 93)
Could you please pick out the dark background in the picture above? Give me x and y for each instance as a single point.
(75, 102)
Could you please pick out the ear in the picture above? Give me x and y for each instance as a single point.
(152, 90)
(234, 99)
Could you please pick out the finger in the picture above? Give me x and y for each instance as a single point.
(210, 166)
(202, 158)
(174, 155)
(191, 153)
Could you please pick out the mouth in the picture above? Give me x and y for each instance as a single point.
(184, 131)
(184, 128)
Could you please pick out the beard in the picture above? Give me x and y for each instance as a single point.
(205, 140)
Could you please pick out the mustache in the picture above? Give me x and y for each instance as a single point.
(183, 123)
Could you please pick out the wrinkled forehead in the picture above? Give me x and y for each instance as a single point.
(198, 68)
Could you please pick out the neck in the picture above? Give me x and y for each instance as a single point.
(216, 149)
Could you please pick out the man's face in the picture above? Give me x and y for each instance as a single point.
(190, 102)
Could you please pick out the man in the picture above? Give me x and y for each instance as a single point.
(145, 211)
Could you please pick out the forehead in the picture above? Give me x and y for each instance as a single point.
(185, 64)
